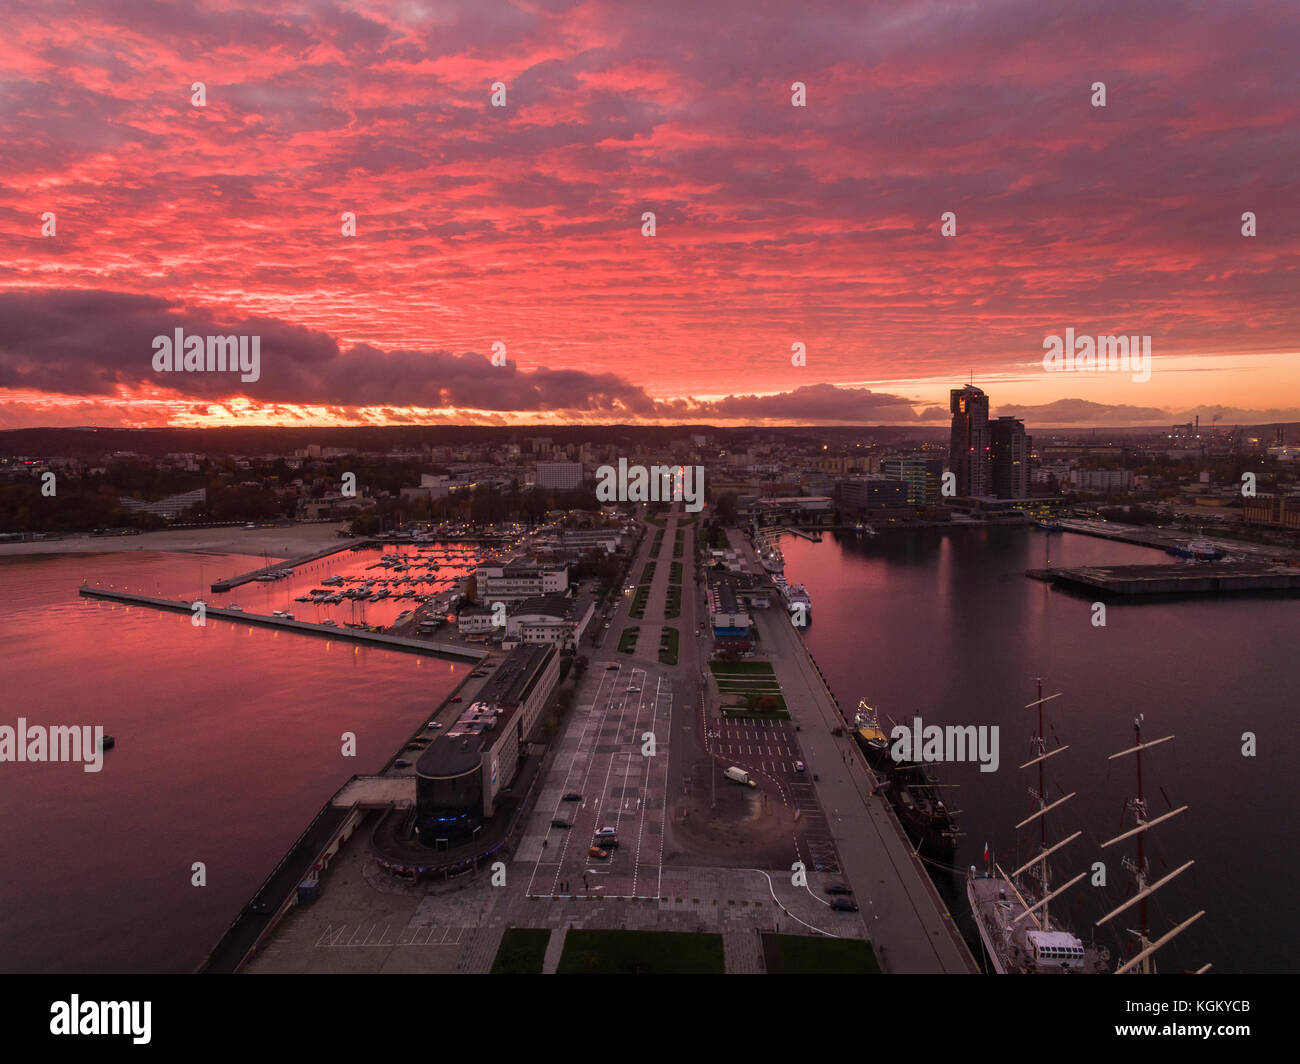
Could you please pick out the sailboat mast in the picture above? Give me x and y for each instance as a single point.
(1141, 810)
(1040, 743)
(1142, 960)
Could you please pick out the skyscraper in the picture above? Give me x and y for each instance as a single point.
(1010, 453)
(968, 451)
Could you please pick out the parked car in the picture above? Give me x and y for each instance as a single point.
(433, 724)
(609, 842)
(608, 668)
(837, 888)
(596, 851)
(456, 698)
(799, 766)
(605, 831)
(572, 796)
(844, 905)
(558, 823)
(401, 762)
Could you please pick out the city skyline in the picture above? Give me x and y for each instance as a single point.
(852, 211)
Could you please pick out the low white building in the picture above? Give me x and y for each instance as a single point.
(518, 581)
(555, 619)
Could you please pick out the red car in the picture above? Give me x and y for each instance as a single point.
(596, 851)
(456, 699)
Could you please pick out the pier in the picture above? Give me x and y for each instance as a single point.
(221, 586)
(377, 639)
(1202, 578)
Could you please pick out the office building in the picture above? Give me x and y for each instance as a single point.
(969, 449)
(558, 476)
(518, 581)
(923, 477)
(873, 493)
(1009, 454)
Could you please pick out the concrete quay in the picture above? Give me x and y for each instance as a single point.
(1207, 578)
(907, 921)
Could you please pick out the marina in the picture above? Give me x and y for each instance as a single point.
(391, 642)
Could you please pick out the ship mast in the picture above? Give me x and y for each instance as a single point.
(1038, 747)
(1139, 867)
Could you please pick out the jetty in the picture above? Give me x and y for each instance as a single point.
(220, 586)
(352, 635)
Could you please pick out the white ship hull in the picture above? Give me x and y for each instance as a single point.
(980, 924)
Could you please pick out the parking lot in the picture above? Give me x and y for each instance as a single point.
(766, 746)
(769, 748)
(620, 788)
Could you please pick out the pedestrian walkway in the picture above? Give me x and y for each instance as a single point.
(554, 948)
(477, 959)
(742, 952)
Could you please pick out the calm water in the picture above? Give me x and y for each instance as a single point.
(947, 627)
(228, 741)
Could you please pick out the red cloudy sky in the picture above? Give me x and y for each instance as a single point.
(522, 224)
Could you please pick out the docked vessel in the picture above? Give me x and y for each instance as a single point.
(1201, 549)
(797, 601)
(1142, 961)
(1019, 934)
(915, 794)
(1050, 524)
(912, 789)
(873, 743)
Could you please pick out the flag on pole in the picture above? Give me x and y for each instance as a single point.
(986, 852)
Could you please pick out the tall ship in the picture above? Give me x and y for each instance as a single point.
(1145, 949)
(771, 558)
(916, 795)
(1012, 911)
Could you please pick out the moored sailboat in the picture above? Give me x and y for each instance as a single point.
(1019, 934)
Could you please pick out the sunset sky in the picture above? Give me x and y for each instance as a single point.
(522, 224)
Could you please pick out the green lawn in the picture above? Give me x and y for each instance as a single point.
(648, 573)
(736, 668)
(753, 714)
(668, 641)
(673, 602)
(627, 641)
(522, 951)
(814, 955)
(588, 952)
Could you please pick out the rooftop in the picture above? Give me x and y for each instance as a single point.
(447, 757)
